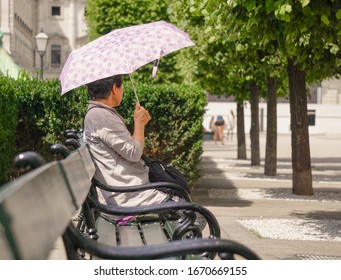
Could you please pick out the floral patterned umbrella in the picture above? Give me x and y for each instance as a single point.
(121, 51)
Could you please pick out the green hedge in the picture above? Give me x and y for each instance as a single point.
(33, 117)
(8, 124)
(36, 116)
(44, 114)
(174, 135)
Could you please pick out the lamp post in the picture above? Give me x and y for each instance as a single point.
(41, 41)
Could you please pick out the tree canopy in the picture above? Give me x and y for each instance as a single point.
(104, 16)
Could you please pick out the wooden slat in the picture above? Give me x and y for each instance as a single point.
(5, 250)
(154, 233)
(38, 207)
(106, 232)
(87, 160)
(77, 176)
(130, 236)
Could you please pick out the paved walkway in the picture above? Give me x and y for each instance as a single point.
(235, 191)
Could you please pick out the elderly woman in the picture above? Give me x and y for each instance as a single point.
(117, 153)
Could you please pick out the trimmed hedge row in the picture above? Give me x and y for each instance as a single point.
(8, 124)
(174, 135)
(35, 115)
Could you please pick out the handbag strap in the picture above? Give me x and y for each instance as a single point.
(94, 106)
(87, 111)
(147, 160)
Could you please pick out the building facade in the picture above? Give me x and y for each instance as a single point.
(63, 21)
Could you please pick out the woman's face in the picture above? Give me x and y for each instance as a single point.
(118, 94)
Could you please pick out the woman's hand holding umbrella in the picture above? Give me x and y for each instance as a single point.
(141, 118)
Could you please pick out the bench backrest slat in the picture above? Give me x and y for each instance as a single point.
(77, 176)
(87, 160)
(35, 210)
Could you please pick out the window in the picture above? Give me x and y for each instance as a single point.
(55, 55)
(55, 11)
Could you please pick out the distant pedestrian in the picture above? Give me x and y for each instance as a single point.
(219, 126)
(230, 125)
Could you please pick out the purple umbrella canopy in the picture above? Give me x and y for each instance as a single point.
(122, 51)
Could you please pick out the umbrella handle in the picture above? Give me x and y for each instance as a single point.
(156, 64)
(132, 84)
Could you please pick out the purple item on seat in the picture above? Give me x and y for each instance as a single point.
(124, 220)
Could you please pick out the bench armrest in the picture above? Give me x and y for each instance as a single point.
(212, 222)
(137, 188)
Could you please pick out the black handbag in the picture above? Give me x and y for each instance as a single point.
(160, 172)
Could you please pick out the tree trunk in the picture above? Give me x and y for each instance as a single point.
(301, 162)
(254, 130)
(241, 131)
(270, 168)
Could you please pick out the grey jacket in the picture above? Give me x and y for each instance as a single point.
(117, 156)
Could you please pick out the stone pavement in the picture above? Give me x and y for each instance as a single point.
(235, 192)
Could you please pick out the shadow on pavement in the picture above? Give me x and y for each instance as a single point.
(325, 223)
(320, 215)
(316, 177)
(210, 182)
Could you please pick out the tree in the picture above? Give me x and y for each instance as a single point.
(307, 33)
(254, 129)
(220, 68)
(105, 15)
(270, 166)
(241, 148)
(262, 65)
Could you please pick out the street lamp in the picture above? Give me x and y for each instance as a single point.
(41, 41)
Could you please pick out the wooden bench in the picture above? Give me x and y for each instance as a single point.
(39, 206)
(143, 229)
(149, 225)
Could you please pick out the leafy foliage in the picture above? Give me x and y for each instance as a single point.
(306, 34)
(227, 60)
(105, 15)
(34, 116)
(306, 31)
(174, 135)
(8, 123)
(245, 38)
(44, 114)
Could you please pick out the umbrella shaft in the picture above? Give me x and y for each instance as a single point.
(132, 84)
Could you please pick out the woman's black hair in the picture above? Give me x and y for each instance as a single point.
(101, 89)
